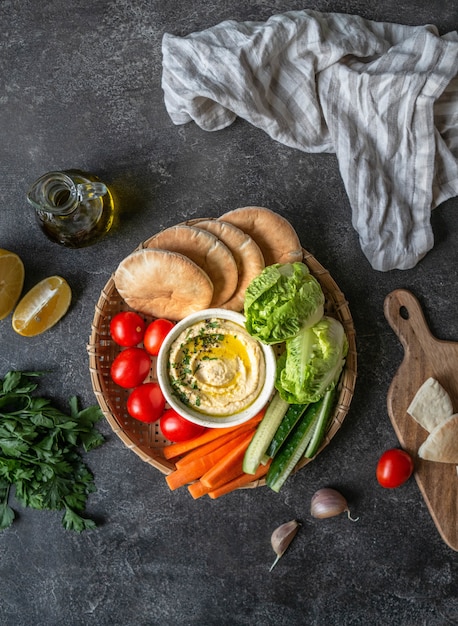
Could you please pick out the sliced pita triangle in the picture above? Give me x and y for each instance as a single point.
(441, 445)
(431, 405)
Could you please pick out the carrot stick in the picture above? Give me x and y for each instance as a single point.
(182, 447)
(197, 489)
(212, 445)
(230, 466)
(205, 449)
(195, 469)
(238, 482)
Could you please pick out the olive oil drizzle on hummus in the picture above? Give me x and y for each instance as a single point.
(204, 341)
(212, 367)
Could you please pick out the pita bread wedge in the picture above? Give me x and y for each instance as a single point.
(163, 284)
(441, 445)
(206, 251)
(247, 255)
(431, 405)
(273, 233)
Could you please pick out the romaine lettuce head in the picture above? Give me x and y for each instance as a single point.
(312, 362)
(281, 301)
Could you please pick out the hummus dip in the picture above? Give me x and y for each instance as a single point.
(216, 367)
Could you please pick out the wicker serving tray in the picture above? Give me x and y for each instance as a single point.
(146, 440)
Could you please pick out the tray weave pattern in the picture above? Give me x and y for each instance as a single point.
(146, 440)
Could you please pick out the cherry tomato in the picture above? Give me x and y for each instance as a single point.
(394, 468)
(177, 428)
(127, 328)
(155, 334)
(146, 402)
(130, 368)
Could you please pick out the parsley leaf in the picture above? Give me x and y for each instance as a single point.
(39, 452)
(6, 512)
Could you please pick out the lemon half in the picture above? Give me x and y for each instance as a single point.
(42, 307)
(11, 281)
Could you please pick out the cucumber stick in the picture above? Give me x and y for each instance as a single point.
(293, 448)
(264, 434)
(321, 423)
(292, 416)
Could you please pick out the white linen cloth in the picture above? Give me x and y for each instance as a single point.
(383, 97)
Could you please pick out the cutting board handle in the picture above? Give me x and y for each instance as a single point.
(405, 316)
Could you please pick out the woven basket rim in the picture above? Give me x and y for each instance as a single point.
(149, 442)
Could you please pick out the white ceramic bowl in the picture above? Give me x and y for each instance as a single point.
(188, 412)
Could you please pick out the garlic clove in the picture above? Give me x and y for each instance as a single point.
(329, 502)
(282, 537)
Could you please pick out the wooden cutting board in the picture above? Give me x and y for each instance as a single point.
(424, 356)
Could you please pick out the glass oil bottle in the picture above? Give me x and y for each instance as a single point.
(73, 208)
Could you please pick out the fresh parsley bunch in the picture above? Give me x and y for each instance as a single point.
(39, 452)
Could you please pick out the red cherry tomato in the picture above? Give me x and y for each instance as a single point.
(177, 428)
(127, 328)
(146, 402)
(394, 468)
(130, 367)
(155, 334)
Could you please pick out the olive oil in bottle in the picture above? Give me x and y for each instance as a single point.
(73, 208)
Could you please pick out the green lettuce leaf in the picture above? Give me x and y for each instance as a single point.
(312, 362)
(281, 301)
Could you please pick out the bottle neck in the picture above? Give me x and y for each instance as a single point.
(54, 193)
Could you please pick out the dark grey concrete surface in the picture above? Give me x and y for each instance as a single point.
(80, 87)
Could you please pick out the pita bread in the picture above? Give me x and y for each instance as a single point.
(431, 405)
(247, 255)
(441, 445)
(163, 284)
(273, 233)
(206, 251)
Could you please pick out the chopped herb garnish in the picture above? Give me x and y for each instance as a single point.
(200, 343)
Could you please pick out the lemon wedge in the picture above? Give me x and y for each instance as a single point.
(42, 307)
(11, 281)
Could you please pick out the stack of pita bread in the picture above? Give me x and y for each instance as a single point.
(432, 408)
(204, 264)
